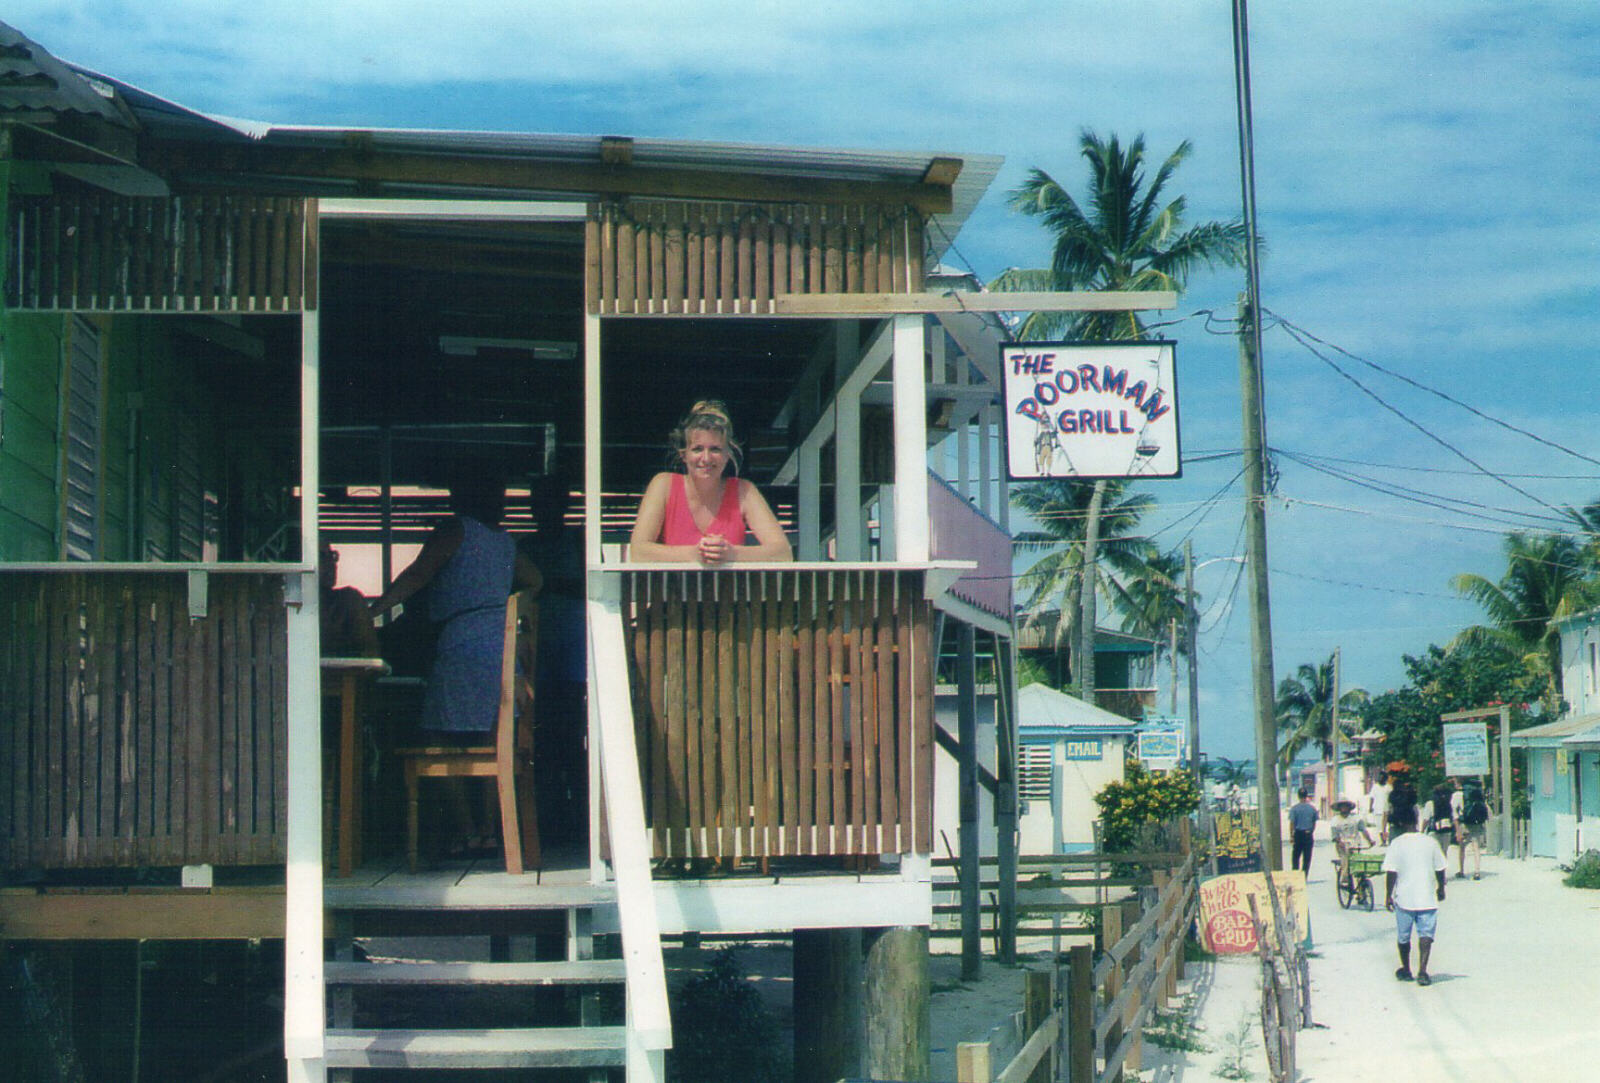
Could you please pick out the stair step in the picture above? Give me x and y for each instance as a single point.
(585, 972)
(548, 1047)
(473, 895)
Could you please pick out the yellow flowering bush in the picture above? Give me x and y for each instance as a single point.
(1141, 798)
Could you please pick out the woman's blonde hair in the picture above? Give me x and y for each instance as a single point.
(707, 415)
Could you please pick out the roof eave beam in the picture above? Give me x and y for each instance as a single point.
(368, 167)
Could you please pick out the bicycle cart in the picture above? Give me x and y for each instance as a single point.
(1354, 877)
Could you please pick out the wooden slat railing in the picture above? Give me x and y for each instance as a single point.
(134, 734)
(681, 257)
(98, 252)
(783, 712)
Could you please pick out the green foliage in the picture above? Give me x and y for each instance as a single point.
(1469, 675)
(1305, 710)
(722, 1030)
(1176, 1028)
(1143, 798)
(1585, 871)
(1548, 576)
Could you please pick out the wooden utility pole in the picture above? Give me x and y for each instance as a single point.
(1190, 619)
(1255, 518)
(1333, 782)
(1252, 404)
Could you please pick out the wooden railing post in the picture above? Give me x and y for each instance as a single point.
(973, 1063)
(1110, 936)
(1038, 993)
(1080, 1014)
(1132, 912)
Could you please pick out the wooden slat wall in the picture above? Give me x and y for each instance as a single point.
(685, 258)
(783, 712)
(107, 253)
(133, 735)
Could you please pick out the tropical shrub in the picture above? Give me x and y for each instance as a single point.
(1585, 871)
(722, 1030)
(1142, 798)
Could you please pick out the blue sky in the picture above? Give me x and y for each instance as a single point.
(1425, 177)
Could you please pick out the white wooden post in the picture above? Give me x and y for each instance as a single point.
(591, 438)
(809, 505)
(987, 430)
(304, 1010)
(910, 440)
(847, 475)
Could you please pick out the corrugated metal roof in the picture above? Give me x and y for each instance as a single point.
(35, 85)
(977, 172)
(167, 119)
(1040, 705)
(1557, 730)
(1586, 741)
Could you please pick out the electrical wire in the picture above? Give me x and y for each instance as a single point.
(1300, 333)
(1403, 416)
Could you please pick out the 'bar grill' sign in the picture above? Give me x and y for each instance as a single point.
(1090, 410)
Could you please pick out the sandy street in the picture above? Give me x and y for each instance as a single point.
(1516, 973)
(1514, 995)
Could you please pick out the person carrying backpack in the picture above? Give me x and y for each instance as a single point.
(1471, 830)
(1438, 819)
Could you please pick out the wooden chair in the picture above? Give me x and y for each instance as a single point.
(508, 760)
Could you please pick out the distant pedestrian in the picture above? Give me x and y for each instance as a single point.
(1377, 810)
(1346, 830)
(1402, 796)
(1413, 887)
(1471, 829)
(1302, 821)
(1439, 817)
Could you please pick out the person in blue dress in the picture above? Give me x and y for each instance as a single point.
(470, 567)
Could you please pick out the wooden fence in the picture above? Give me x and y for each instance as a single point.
(98, 252)
(1285, 984)
(666, 257)
(783, 712)
(1125, 961)
(135, 732)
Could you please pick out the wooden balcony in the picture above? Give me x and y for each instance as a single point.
(779, 712)
(782, 711)
(143, 718)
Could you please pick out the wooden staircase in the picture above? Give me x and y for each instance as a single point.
(415, 1005)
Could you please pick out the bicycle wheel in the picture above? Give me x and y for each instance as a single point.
(1347, 890)
(1364, 894)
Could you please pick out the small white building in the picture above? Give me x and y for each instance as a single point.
(1069, 751)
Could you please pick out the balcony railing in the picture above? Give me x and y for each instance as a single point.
(142, 718)
(782, 711)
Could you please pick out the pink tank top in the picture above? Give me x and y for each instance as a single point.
(678, 526)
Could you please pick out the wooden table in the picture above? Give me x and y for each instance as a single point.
(346, 678)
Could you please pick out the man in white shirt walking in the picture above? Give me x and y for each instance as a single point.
(1413, 877)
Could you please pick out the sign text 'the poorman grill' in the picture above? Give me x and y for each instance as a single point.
(1090, 410)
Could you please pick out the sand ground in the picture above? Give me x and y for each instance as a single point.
(1516, 969)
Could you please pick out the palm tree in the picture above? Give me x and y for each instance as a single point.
(1152, 599)
(1238, 773)
(1129, 240)
(1548, 577)
(1305, 710)
(1054, 583)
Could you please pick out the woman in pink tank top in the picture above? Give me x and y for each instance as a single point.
(699, 515)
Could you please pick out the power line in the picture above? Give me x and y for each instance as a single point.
(1403, 416)
(1298, 332)
(1431, 469)
(1434, 500)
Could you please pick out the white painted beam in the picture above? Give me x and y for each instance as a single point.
(910, 439)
